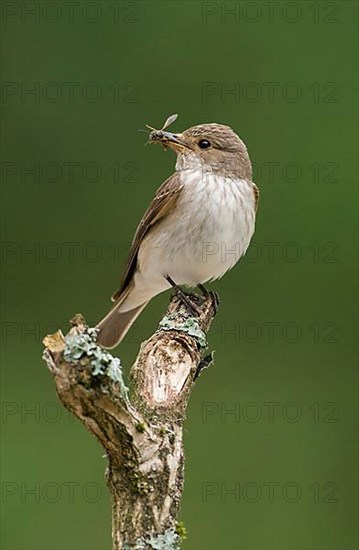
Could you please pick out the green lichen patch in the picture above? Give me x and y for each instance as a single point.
(79, 346)
(190, 326)
(169, 540)
(181, 530)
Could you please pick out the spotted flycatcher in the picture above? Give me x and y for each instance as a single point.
(198, 225)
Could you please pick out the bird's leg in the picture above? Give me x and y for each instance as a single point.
(212, 293)
(203, 289)
(185, 299)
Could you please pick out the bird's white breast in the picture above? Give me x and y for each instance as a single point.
(206, 234)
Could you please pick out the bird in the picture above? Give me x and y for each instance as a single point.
(198, 225)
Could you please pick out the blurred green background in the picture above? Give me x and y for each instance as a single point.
(278, 473)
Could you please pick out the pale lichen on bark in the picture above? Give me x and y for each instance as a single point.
(142, 434)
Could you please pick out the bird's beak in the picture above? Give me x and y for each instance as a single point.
(175, 141)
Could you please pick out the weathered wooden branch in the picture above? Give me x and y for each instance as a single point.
(142, 437)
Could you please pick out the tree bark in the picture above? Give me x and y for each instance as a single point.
(142, 437)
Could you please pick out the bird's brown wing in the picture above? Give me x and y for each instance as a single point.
(256, 195)
(163, 203)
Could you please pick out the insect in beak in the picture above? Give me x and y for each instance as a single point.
(156, 136)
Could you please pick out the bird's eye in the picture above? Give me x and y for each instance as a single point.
(204, 144)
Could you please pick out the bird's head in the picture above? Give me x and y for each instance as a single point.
(215, 147)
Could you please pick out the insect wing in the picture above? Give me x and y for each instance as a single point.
(169, 121)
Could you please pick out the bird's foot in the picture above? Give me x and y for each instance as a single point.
(214, 296)
(191, 299)
(187, 299)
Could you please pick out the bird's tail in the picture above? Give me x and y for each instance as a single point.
(114, 326)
